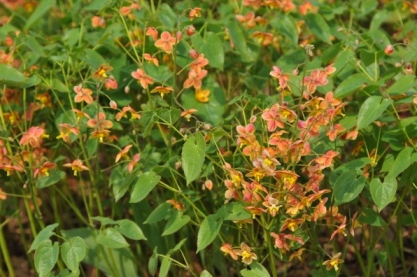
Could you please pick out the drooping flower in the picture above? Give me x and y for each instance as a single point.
(246, 253)
(77, 166)
(66, 130)
(282, 77)
(44, 169)
(333, 262)
(195, 12)
(162, 90)
(195, 76)
(187, 113)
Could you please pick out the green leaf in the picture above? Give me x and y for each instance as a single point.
(238, 38)
(39, 12)
(97, 256)
(54, 177)
(208, 231)
(92, 146)
(404, 159)
(212, 48)
(130, 229)
(168, 116)
(97, 5)
(11, 76)
(369, 216)
(175, 222)
(43, 235)
(111, 238)
(165, 265)
(349, 85)
(347, 187)
(343, 59)
(167, 16)
(318, 26)
(160, 213)
(120, 183)
(73, 252)
(402, 85)
(286, 26)
(93, 59)
(153, 262)
(58, 85)
(205, 273)
(383, 193)
(46, 257)
(193, 153)
(143, 186)
(256, 270)
(371, 110)
(104, 220)
(34, 46)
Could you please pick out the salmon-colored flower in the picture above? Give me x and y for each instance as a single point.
(101, 73)
(389, 49)
(100, 124)
(162, 90)
(152, 32)
(123, 153)
(97, 21)
(151, 59)
(199, 62)
(246, 252)
(166, 42)
(133, 162)
(80, 114)
(110, 83)
(83, 95)
(33, 136)
(333, 262)
(44, 169)
(66, 130)
(195, 76)
(124, 111)
(228, 250)
(282, 77)
(142, 77)
(9, 168)
(77, 166)
(202, 95)
(176, 204)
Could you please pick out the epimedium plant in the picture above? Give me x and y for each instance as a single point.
(148, 138)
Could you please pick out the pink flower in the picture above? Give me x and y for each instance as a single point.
(83, 94)
(33, 136)
(278, 74)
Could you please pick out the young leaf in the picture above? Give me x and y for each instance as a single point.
(402, 85)
(256, 270)
(383, 193)
(39, 12)
(237, 36)
(318, 26)
(193, 153)
(130, 229)
(153, 262)
(165, 265)
(160, 213)
(143, 186)
(347, 187)
(286, 26)
(208, 231)
(175, 223)
(371, 110)
(73, 252)
(349, 85)
(45, 234)
(46, 257)
(404, 159)
(111, 238)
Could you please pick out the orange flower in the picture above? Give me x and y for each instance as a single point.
(152, 32)
(143, 78)
(389, 49)
(97, 21)
(194, 78)
(202, 95)
(199, 62)
(110, 83)
(101, 73)
(162, 90)
(228, 250)
(195, 12)
(333, 262)
(123, 153)
(100, 124)
(45, 99)
(177, 205)
(123, 112)
(187, 113)
(9, 168)
(79, 114)
(133, 163)
(77, 166)
(83, 94)
(166, 42)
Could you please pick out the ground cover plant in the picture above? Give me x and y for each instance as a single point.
(208, 138)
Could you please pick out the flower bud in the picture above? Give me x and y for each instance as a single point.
(190, 30)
